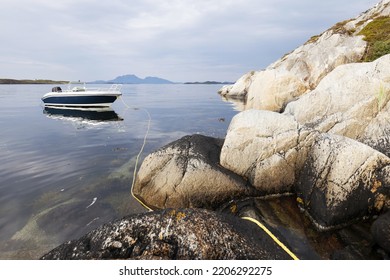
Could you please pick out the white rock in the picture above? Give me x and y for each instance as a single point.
(272, 89)
(267, 148)
(347, 101)
(240, 88)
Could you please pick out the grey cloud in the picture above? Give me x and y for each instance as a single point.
(178, 40)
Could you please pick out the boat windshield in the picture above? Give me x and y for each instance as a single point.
(76, 86)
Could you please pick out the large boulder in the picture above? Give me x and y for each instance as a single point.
(179, 234)
(267, 148)
(186, 173)
(273, 88)
(343, 180)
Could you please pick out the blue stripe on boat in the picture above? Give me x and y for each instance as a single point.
(82, 100)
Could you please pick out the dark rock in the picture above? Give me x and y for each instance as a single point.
(381, 231)
(342, 180)
(173, 234)
(186, 173)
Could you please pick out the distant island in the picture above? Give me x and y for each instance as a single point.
(29, 82)
(133, 79)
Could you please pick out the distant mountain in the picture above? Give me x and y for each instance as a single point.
(133, 79)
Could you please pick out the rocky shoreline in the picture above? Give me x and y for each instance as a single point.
(315, 127)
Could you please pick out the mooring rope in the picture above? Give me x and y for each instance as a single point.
(137, 160)
(139, 154)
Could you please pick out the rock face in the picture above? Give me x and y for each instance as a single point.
(267, 148)
(172, 234)
(343, 180)
(347, 101)
(301, 70)
(186, 173)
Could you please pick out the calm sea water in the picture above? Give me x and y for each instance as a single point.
(63, 173)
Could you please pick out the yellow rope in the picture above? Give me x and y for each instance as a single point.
(274, 238)
(138, 156)
(136, 162)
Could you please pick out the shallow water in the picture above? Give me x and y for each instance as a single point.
(64, 173)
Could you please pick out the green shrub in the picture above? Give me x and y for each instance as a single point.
(380, 48)
(377, 35)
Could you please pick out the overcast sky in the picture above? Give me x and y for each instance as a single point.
(179, 40)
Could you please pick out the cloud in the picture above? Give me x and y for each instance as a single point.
(180, 40)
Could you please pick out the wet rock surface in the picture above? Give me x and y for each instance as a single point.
(381, 231)
(173, 234)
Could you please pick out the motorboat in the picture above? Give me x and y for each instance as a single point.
(81, 96)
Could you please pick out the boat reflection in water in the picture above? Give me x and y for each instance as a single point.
(89, 114)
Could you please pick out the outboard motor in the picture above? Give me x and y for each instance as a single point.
(56, 89)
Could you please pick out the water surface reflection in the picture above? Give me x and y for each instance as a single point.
(90, 114)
